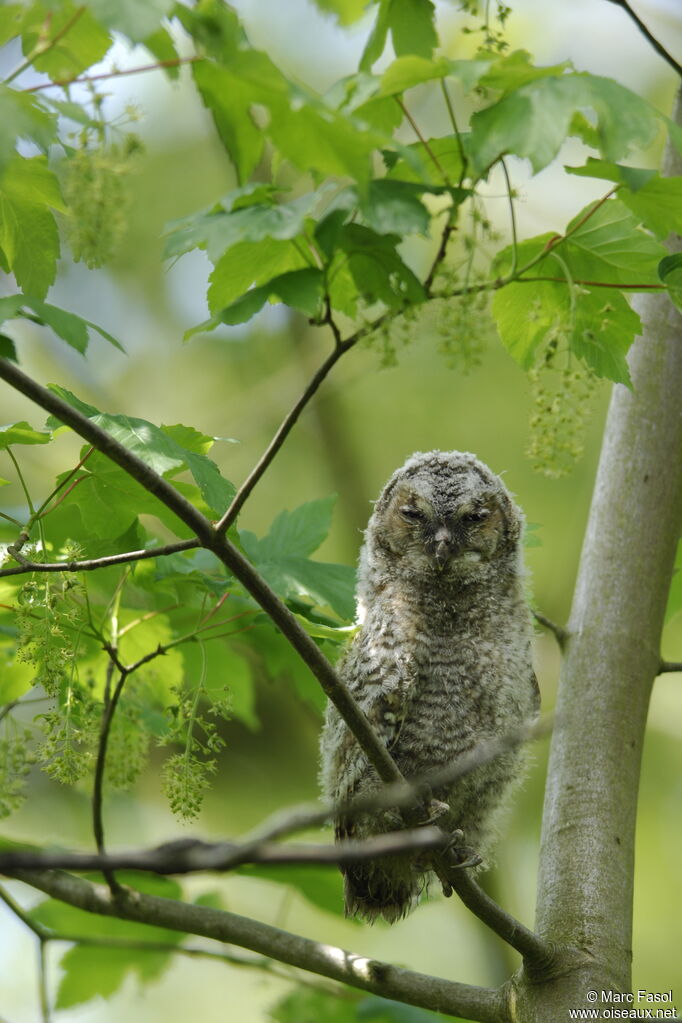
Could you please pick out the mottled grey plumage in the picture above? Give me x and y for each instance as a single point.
(441, 663)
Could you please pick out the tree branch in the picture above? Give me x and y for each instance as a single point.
(341, 347)
(189, 856)
(658, 47)
(666, 666)
(475, 1003)
(92, 564)
(560, 633)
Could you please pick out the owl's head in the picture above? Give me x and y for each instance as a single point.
(443, 515)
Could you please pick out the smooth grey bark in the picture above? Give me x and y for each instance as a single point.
(612, 657)
(476, 1003)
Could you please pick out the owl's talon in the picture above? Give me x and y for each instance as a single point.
(436, 809)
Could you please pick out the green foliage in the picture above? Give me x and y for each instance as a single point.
(282, 559)
(90, 971)
(172, 642)
(304, 1005)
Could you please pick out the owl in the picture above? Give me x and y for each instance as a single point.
(441, 662)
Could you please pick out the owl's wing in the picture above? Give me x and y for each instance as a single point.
(382, 691)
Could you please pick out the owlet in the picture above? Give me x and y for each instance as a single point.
(441, 663)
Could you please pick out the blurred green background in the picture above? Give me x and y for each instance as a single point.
(238, 383)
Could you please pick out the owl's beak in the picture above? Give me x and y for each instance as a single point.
(443, 549)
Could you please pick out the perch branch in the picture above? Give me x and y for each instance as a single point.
(484, 1005)
(188, 856)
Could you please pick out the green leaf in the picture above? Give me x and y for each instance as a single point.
(654, 200)
(514, 70)
(304, 1005)
(598, 324)
(406, 72)
(22, 117)
(7, 348)
(299, 532)
(413, 27)
(533, 121)
(137, 19)
(674, 605)
(300, 289)
(68, 326)
(670, 273)
(323, 888)
(11, 17)
(427, 163)
(220, 229)
(377, 270)
(22, 433)
(86, 976)
(80, 39)
(282, 558)
(384, 1010)
(161, 46)
(28, 233)
(225, 95)
(224, 671)
(248, 263)
(376, 42)
(157, 448)
(346, 12)
(90, 972)
(335, 634)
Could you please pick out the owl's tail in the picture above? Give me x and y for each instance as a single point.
(388, 889)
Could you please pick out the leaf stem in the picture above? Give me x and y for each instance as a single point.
(427, 147)
(512, 216)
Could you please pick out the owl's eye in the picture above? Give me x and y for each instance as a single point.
(411, 513)
(475, 517)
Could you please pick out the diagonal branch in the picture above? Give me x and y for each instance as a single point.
(484, 1005)
(658, 47)
(210, 538)
(283, 431)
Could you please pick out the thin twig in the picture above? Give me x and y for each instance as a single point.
(512, 216)
(453, 121)
(593, 284)
(340, 348)
(98, 783)
(658, 47)
(42, 982)
(560, 633)
(427, 147)
(92, 564)
(172, 62)
(39, 51)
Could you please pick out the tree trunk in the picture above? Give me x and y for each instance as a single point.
(611, 660)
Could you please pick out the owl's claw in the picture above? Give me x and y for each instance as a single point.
(461, 856)
(436, 810)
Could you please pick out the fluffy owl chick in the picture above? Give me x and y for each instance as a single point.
(442, 661)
